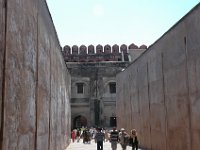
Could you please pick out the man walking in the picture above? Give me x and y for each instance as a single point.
(99, 138)
(123, 138)
(114, 138)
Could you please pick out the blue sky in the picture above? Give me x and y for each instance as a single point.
(112, 22)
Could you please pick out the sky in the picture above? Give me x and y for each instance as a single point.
(85, 22)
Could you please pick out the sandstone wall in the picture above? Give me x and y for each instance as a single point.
(160, 90)
(35, 84)
(2, 41)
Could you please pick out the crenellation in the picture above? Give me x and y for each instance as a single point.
(74, 49)
(99, 49)
(123, 48)
(100, 53)
(67, 50)
(107, 49)
(91, 49)
(83, 50)
(115, 49)
(132, 46)
(143, 47)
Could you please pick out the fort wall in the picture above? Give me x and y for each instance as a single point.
(158, 94)
(101, 53)
(35, 85)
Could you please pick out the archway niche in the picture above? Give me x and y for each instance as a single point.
(79, 121)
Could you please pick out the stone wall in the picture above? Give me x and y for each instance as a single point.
(35, 85)
(135, 53)
(96, 104)
(160, 90)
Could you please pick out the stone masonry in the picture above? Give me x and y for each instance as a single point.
(35, 85)
(95, 70)
(158, 94)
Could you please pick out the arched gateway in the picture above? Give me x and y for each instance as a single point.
(79, 121)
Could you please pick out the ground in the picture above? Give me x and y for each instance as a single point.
(92, 146)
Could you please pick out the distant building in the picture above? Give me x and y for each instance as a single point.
(93, 72)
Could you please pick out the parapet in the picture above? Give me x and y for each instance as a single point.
(91, 49)
(99, 49)
(123, 48)
(67, 50)
(115, 49)
(143, 47)
(132, 46)
(83, 49)
(74, 49)
(107, 49)
(100, 53)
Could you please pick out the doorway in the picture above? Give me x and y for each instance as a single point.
(113, 121)
(79, 121)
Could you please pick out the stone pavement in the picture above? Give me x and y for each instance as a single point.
(92, 146)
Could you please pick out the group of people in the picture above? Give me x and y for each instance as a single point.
(83, 133)
(114, 136)
(128, 139)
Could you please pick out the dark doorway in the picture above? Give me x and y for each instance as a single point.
(113, 121)
(80, 121)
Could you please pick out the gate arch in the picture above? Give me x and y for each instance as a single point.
(79, 121)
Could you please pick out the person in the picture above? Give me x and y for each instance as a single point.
(123, 138)
(78, 134)
(73, 135)
(86, 136)
(114, 138)
(106, 135)
(99, 138)
(134, 139)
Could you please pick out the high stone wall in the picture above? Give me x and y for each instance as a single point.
(2, 39)
(35, 85)
(160, 90)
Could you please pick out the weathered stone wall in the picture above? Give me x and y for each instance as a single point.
(159, 93)
(2, 40)
(135, 53)
(35, 85)
(96, 104)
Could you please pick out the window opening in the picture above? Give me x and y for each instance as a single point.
(80, 88)
(112, 87)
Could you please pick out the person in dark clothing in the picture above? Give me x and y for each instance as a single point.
(86, 136)
(134, 139)
(114, 138)
(99, 138)
(78, 135)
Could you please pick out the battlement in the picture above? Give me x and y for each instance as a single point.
(99, 53)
